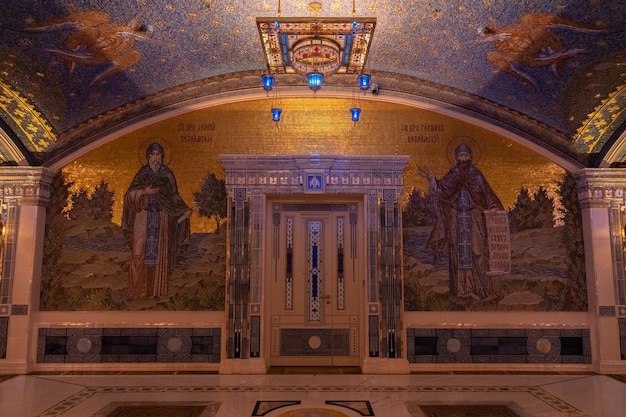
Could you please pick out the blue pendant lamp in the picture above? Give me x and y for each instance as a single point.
(355, 113)
(268, 82)
(276, 111)
(314, 79)
(364, 82)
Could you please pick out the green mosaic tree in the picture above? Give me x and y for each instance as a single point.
(211, 199)
(95, 206)
(416, 210)
(102, 202)
(532, 212)
(573, 237)
(54, 239)
(522, 216)
(544, 207)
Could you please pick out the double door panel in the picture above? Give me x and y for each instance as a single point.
(314, 292)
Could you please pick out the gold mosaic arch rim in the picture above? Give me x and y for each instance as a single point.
(34, 130)
(610, 112)
(213, 92)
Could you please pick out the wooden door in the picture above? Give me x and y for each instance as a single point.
(315, 284)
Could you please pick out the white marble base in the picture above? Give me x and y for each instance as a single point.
(375, 366)
(243, 367)
(533, 395)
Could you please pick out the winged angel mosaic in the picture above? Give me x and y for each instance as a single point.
(96, 40)
(530, 43)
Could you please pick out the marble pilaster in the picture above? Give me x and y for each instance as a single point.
(25, 192)
(602, 197)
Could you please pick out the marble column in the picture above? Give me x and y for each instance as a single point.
(25, 193)
(602, 197)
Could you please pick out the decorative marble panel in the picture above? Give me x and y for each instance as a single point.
(622, 338)
(315, 279)
(606, 311)
(340, 265)
(255, 336)
(314, 342)
(498, 346)
(4, 334)
(19, 310)
(289, 266)
(128, 345)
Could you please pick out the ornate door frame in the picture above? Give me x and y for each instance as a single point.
(250, 180)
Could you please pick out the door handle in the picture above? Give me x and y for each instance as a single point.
(325, 297)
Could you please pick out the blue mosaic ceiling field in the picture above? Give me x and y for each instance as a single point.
(547, 63)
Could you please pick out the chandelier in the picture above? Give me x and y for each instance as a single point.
(316, 47)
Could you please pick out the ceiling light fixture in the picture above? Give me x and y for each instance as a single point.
(276, 111)
(316, 47)
(315, 80)
(355, 114)
(268, 82)
(364, 82)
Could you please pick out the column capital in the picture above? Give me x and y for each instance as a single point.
(29, 185)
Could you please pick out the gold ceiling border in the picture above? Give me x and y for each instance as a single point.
(31, 126)
(602, 122)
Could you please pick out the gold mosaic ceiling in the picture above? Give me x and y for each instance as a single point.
(551, 72)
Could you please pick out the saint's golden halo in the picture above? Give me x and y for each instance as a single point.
(469, 141)
(141, 151)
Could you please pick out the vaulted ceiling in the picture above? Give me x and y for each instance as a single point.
(550, 72)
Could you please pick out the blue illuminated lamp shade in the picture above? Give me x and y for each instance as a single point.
(276, 114)
(355, 112)
(268, 82)
(364, 82)
(314, 80)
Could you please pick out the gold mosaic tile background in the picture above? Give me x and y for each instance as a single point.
(195, 140)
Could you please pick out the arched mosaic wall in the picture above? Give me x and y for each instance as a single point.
(93, 262)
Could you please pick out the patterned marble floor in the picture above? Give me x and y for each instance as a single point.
(312, 395)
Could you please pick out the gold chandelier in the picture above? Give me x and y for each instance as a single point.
(316, 47)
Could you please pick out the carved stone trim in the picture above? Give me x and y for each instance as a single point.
(599, 186)
(31, 186)
(287, 175)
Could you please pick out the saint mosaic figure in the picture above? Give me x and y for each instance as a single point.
(463, 198)
(155, 222)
